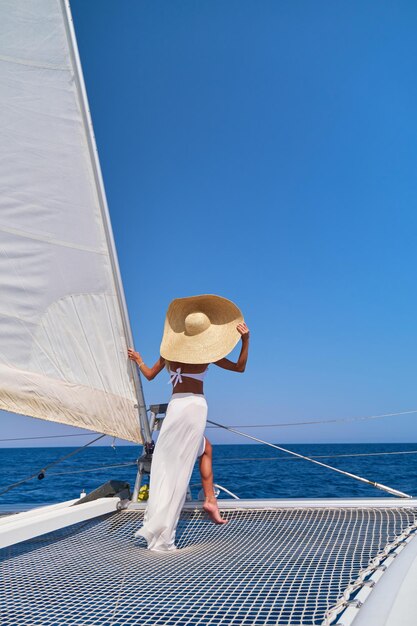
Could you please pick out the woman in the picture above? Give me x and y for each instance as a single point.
(198, 331)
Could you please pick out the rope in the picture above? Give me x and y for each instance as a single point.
(364, 577)
(394, 492)
(40, 474)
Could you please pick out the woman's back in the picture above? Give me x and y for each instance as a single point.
(187, 377)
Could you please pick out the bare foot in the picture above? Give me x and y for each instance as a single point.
(212, 509)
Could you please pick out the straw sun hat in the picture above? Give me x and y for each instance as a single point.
(200, 329)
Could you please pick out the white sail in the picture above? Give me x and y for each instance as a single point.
(63, 327)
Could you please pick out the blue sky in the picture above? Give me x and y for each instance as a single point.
(266, 151)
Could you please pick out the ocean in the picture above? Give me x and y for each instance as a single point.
(249, 471)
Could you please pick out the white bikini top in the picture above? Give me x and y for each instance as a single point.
(176, 377)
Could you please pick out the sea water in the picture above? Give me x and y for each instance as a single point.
(249, 471)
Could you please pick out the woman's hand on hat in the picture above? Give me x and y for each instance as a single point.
(134, 356)
(243, 330)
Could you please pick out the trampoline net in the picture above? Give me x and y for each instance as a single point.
(265, 567)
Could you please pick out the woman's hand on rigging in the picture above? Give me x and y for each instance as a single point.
(134, 356)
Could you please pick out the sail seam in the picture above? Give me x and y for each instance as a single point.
(87, 293)
(58, 242)
(44, 66)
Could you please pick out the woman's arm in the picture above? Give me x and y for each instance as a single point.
(240, 365)
(148, 372)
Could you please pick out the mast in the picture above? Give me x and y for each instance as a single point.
(82, 93)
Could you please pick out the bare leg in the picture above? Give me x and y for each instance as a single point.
(206, 470)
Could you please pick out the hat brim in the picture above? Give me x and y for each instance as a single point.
(212, 344)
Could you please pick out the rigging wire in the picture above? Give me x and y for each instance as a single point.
(329, 421)
(229, 459)
(232, 459)
(295, 455)
(94, 469)
(317, 456)
(278, 425)
(41, 473)
(49, 437)
(394, 492)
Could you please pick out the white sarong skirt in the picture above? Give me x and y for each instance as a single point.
(180, 441)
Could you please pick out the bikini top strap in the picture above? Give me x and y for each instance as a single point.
(176, 376)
